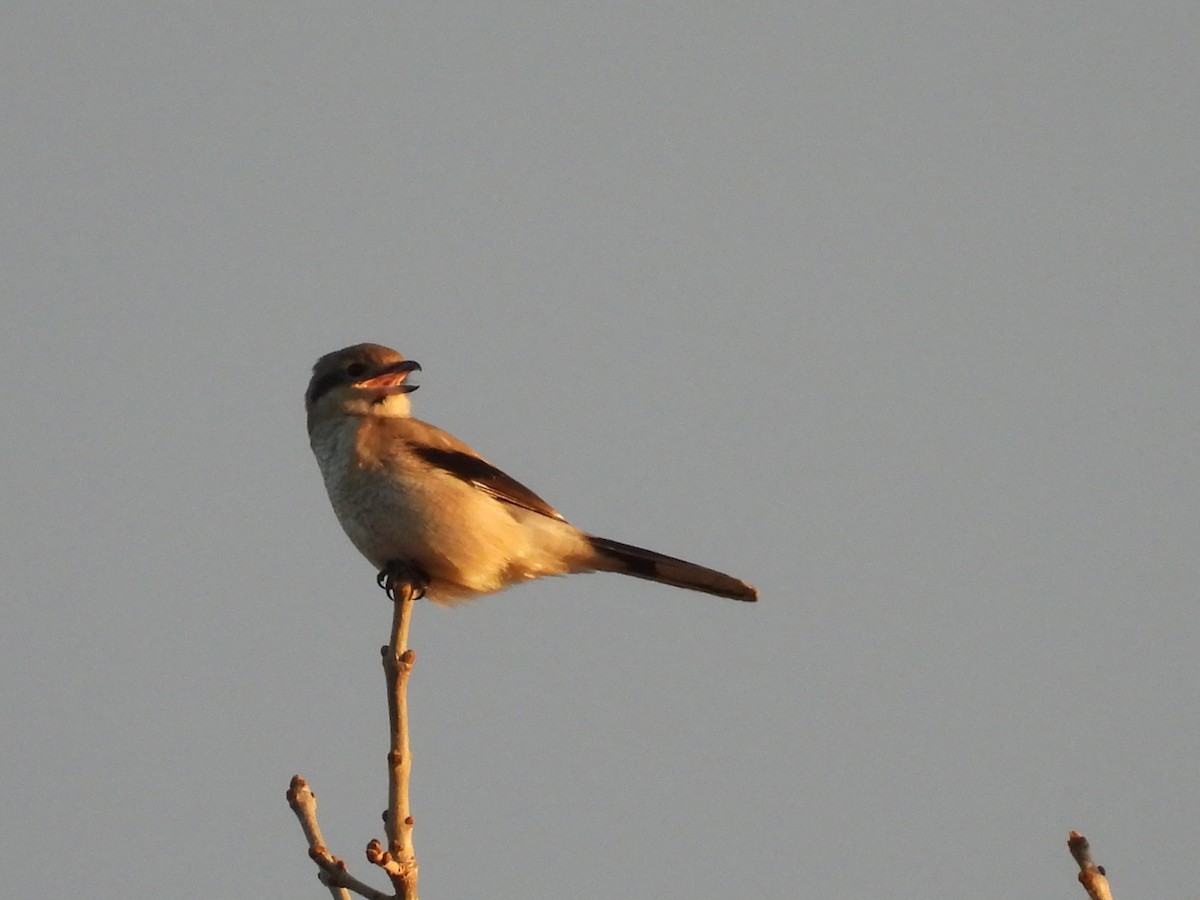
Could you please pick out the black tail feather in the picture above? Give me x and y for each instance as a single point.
(614, 556)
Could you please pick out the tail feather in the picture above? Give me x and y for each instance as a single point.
(612, 556)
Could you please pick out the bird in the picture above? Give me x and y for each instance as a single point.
(419, 503)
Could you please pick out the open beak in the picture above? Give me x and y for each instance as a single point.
(393, 379)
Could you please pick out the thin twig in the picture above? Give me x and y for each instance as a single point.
(1091, 876)
(332, 872)
(400, 859)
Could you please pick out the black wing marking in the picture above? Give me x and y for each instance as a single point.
(487, 478)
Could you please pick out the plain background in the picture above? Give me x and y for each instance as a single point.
(890, 309)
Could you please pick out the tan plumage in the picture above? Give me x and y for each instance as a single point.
(407, 492)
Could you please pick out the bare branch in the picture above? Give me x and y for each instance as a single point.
(332, 872)
(399, 860)
(1091, 876)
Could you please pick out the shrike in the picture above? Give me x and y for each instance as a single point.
(415, 499)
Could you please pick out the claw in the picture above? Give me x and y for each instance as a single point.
(399, 572)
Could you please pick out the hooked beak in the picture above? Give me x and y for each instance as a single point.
(392, 379)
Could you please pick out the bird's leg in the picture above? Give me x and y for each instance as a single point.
(399, 571)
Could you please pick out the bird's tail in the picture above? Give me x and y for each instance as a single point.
(612, 556)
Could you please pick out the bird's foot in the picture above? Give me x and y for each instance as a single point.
(400, 572)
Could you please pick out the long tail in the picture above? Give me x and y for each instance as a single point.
(612, 556)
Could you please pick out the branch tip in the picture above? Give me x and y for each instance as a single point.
(1091, 876)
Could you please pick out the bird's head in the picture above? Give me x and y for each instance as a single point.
(366, 379)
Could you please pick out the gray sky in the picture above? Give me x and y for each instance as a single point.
(889, 309)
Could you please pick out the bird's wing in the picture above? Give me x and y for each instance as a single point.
(446, 452)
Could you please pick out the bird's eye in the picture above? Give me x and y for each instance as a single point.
(355, 369)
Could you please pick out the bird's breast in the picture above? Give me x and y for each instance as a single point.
(376, 507)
